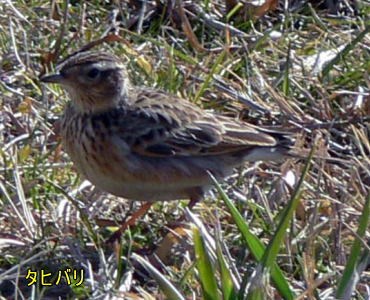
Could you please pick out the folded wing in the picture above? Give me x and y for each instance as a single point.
(155, 127)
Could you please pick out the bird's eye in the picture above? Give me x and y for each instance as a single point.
(93, 73)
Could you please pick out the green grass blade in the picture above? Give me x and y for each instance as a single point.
(344, 52)
(256, 247)
(227, 285)
(166, 286)
(233, 11)
(273, 248)
(205, 269)
(213, 71)
(260, 43)
(256, 294)
(286, 80)
(350, 274)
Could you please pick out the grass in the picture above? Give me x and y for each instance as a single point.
(262, 234)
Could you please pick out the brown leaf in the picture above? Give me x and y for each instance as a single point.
(171, 240)
(267, 6)
(186, 27)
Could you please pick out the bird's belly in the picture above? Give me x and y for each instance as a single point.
(138, 178)
(150, 188)
(143, 191)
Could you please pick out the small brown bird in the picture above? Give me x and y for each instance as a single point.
(145, 144)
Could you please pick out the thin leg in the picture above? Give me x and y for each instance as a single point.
(143, 209)
(193, 201)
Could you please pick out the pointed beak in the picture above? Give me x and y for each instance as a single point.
(53, 78)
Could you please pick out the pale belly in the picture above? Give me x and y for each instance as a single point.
(136, 178)
(152, 185)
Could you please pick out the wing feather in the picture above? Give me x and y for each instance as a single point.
(156, 127)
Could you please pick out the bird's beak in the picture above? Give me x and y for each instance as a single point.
(53, 78)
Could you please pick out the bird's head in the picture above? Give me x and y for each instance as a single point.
(95, 81)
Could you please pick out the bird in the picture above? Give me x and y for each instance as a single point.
(145, 144)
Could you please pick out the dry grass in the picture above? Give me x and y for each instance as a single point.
(301, 69)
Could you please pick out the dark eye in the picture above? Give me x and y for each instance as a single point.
(93, 73)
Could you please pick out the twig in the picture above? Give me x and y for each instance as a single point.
(62, 30)
(15, 44)
(16, 11)
(141, 17)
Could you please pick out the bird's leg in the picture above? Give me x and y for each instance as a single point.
(131, 221)
(193, 201)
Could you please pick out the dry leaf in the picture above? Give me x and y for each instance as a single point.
(186, 27)
(173, 238)
(266, 7)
